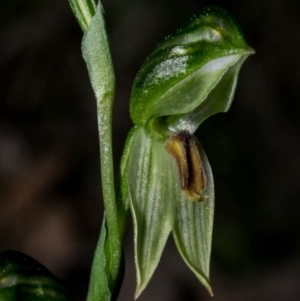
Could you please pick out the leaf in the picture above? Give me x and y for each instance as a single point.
(99, 283)
(153, 186)
(22, 278)
(182, 70)
(193, 226)
(96, 53)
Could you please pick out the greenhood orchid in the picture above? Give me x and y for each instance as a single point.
(166, 177)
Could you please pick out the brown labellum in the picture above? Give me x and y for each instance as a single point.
(183, 149)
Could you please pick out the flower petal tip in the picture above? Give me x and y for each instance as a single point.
(208, 287)
(140, 286)
(250, 50)
(206, 283)
(138, 292)
(211, 293)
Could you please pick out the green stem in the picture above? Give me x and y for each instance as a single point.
(84, 10)
(95, 48)
(96, 53)
(107, 177)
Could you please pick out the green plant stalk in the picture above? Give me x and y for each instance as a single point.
(107, 177)
(84, 10)
(95, 48)
(105, 96)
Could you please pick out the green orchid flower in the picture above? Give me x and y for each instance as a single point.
(166, 176)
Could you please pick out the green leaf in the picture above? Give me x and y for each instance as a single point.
(22, 278)
(182, 70)
(193, 226)
(99, 288)
(153, 188)
(96, 53)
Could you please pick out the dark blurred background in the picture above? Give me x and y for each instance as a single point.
(50, 193)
